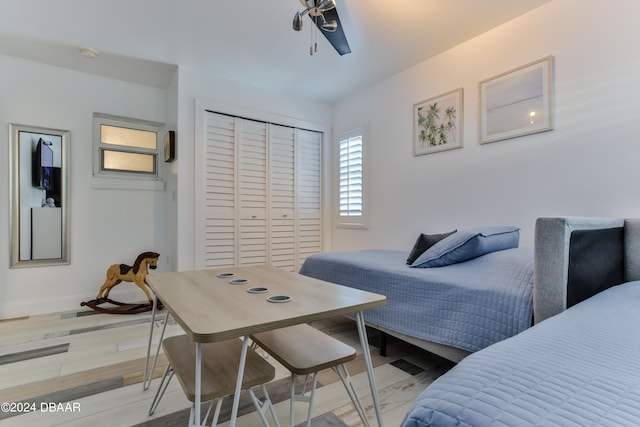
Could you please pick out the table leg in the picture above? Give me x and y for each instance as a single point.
(236, 396)
(198, 381)
(148, 376)
(362, 332)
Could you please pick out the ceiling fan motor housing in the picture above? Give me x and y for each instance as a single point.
(330, 27)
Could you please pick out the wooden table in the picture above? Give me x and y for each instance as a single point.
(210, 309)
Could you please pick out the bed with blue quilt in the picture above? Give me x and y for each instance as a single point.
(526, 381)
(580, 364)
(451, 307)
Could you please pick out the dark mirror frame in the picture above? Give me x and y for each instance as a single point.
(18, 177)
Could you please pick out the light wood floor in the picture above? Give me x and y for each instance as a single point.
(85, 369)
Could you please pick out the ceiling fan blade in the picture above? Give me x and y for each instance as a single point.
(337, 38)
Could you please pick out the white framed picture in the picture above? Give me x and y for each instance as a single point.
(517, 102)
(437, 123)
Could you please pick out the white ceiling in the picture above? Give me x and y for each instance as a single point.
(248, 41)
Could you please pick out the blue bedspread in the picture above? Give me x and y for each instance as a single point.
(469, 305)
(579, 368)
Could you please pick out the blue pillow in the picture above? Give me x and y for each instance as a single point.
(467, 244)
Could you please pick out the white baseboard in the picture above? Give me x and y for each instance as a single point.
(48, 305)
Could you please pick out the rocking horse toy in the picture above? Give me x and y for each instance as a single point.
(118, 273)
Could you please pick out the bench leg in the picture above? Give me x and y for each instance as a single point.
(343, 373)
(262, 407)
(216, 413)
(302, 397)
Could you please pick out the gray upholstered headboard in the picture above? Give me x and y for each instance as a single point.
(562, 243)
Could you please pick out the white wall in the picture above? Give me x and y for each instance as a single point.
(170, 255)
(113, 226)
(587, 166)
(107, 226)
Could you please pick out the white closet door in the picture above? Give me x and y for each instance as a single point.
(219, 189)
(252, 193)
(282, 197)
(308, 193)
(260, 194)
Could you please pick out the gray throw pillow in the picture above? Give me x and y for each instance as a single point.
(424, 242)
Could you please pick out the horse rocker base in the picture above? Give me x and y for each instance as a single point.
(118, 273)
(120, 307)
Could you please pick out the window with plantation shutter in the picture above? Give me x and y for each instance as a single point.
(351, 203)
(351, 176)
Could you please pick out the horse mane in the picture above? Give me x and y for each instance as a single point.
(142, 257)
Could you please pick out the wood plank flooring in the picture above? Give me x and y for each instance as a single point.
(85, 368)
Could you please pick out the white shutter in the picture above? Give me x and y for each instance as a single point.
(282, 197)
(252, 193)
(309, 193)
(219, 188)
(351, 176)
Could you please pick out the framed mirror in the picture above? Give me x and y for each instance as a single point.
(39, 196)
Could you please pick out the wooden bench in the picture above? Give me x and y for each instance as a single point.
(220, 362)
(304, 350)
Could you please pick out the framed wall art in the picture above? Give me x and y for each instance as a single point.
(518, 102)
(437, 123)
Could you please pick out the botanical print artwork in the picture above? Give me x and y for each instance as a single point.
(437, 123)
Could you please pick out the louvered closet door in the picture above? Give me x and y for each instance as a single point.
(253, 243)
(262, 194)
(282, 197)
(309, 193)
(219, 189)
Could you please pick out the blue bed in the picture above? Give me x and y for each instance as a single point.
(579, 368)
(467, 306)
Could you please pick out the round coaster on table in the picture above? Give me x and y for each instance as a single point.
(279, 298)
